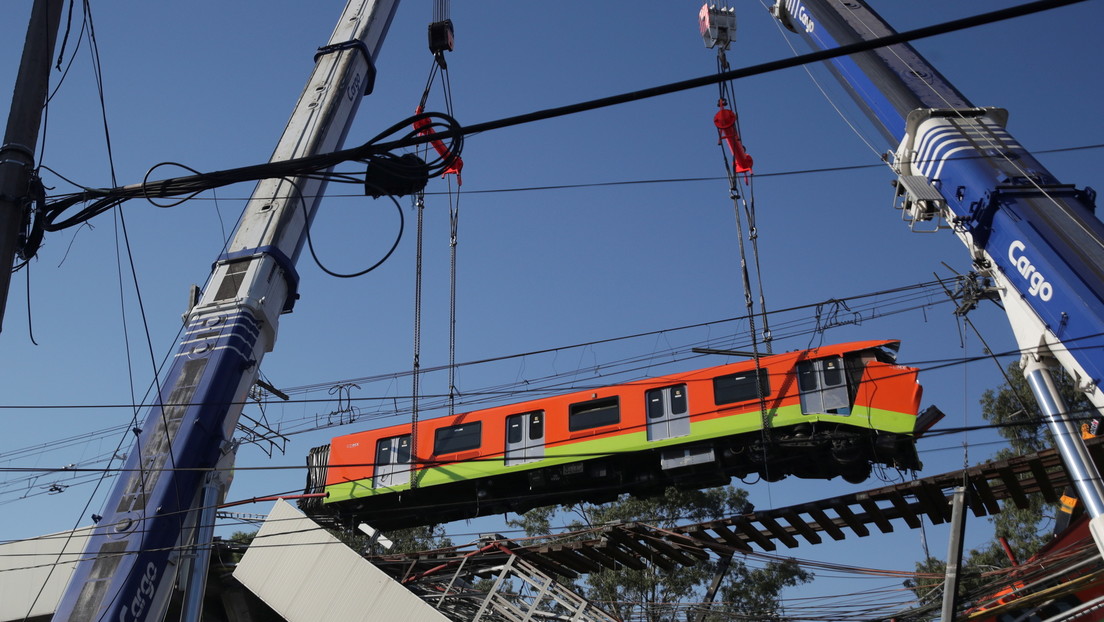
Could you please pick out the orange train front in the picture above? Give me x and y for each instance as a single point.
(830, 411)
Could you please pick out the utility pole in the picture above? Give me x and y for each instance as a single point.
(954, 554)
(18, 149)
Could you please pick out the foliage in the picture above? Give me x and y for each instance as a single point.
(414, 539)
(655, 595)
(1012, 409)
(243, 538)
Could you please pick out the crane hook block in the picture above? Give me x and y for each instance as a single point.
(725, 120)
(718, 25)
(440, 37)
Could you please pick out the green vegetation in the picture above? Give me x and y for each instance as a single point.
(655, 595)
(1011, 408)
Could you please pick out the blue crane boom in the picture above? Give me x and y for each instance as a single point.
(137, 547)
(1037, 239)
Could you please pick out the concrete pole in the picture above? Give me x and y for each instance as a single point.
(954, 554)
(18, 149)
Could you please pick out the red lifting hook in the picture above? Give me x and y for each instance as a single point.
(725, 120)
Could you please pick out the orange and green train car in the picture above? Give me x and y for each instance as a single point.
(829, 411)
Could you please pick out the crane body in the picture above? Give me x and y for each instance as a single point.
(1036, 239)
(184, 447)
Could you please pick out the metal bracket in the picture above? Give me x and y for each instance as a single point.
(282, 260)
(919, 201)
(370, 77)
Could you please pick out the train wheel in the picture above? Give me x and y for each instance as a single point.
(856, 474)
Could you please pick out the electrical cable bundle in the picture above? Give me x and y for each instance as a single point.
(52, 215)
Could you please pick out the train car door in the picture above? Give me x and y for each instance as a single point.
(823, 386)
(524, 437)
(668, 416)
(392, 462)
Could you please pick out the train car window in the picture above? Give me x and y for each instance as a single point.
(678, 400)
(536, 426)
(514, 430)
(383, 452)
(824, 386)
(833, 372)
(807, 377)
(456, 438)
(393, 450)
(667, 412)
(675, 403)
(594, 414)
(518, 427)
(524, 438)
(392, 461)
(402, 454)
(656, 407)
(740, 387)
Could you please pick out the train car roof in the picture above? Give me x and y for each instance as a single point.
(517, 407)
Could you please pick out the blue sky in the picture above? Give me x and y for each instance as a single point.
(210, 86)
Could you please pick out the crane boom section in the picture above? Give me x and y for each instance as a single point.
(132, 559)
(1037, 238)
(887, 83)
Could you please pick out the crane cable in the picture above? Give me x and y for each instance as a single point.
(718, 29)
(440, 41)
(741, 163)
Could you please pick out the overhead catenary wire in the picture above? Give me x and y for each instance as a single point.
(651, 181)
(912, 293)
(105, 199)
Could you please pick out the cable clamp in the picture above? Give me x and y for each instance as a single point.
(281, 259)
(370, 78)
(18, 148)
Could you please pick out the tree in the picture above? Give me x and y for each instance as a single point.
(240, 541)
(656, 595)
(411, 540)
(1012, 409)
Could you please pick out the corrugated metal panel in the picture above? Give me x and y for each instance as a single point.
(305, 574)
(30, 566)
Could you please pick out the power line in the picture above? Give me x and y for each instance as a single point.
(445, 127)
(667, 180)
